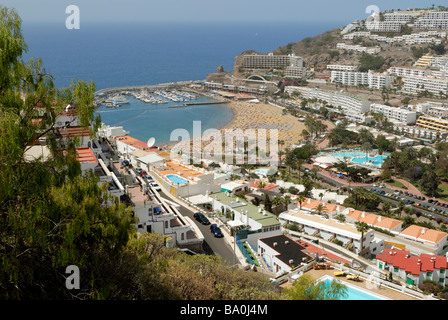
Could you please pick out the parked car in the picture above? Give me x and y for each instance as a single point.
(125, 163)
(138, 170)
(201, 218)
(143, 173)
(155, 186)
(216, 230)
(149, 178)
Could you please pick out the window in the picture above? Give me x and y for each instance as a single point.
(428, 274)
(442, 270)
(441, 280)
(395, 269)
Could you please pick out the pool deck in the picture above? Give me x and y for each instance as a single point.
(383, 291)
(180, 170)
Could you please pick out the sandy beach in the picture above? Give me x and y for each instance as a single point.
(261, 115)
(247, 115)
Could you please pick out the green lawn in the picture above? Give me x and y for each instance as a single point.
(395, 183)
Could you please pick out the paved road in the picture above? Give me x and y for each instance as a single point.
(435, 215)
(211, 245)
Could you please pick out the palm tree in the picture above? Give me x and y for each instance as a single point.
(286, 201)
(320, 209)
(366, 147)
(401, 206)
(321, 195)
(301, 199)
(362, 227)
(341, 217)
(277, 202)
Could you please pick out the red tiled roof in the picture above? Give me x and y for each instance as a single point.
(425, 234)
(131, 141)
(86, 155)
(412, 264)
(76, 131)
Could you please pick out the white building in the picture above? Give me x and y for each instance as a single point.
(432, 21)
(408, 72)
(353, 107)
(358, 48)
(435, 109)
(331, 230)
(384, 26)
(281, 253)
(393, 113)
(295, 72)
(267, 61)
(416, 84)
(339, 67)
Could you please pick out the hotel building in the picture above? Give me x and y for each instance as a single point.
(416, 84)
(268, 61)
(351, 106)
(393, 113)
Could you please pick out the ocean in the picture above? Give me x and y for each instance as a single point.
(113, 55)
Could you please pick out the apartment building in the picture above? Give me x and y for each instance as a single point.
(401, 16)
(424, 61)
(435, 109)
(332, 230)
(432, 21)
(420, 132)
(432, 123)
(384, 26)
(353, 107)
(372, 80)
(416, 84)
(358, 48)
(339, 67)
(295, 72)
(408, 72)
(393, 113)
(414, 269)
(267, 61)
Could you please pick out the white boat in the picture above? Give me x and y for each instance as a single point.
(117, 100)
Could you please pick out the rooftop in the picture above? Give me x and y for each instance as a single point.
(133, 142)
(86, 155)
(424, 234)
(413, 264)
(374, 219)
(287, 249)
(265, 220)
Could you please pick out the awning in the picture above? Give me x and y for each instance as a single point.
(199, 199)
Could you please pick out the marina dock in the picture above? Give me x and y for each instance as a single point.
(202, 103)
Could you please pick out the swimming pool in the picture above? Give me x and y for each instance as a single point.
(176, 179)
(360, 158)
(353, 292)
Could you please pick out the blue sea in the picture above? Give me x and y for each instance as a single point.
(113, 55)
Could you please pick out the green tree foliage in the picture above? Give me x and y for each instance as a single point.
(50, 215)
(305, 288)
(370, 62)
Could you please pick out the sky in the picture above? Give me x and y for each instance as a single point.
(122, 11)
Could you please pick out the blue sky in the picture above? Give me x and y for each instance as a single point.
(118, 11)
